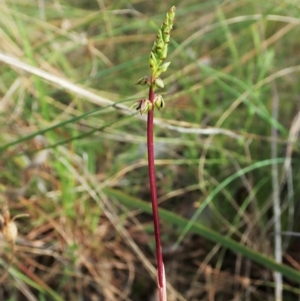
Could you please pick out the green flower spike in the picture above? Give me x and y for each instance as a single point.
(157, 56)
(160, 47)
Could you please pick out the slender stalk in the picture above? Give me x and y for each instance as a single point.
(152, 180)
(276, 199)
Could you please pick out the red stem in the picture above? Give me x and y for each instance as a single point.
(152, 181)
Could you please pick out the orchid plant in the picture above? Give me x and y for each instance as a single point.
(158, 66)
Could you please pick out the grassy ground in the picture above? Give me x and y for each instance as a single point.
(73, 156)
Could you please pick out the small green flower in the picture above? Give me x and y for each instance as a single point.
(143, 105)
(143, 81)
(159, 102)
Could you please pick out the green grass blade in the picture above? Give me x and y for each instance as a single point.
(33, 284)
(222, 185)
(60, 124)
(211, 235)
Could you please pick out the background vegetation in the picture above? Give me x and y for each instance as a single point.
(73, 156)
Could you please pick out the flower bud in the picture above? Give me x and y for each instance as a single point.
(167, 38)
(152, 60)
(164, 67)
(159, 83)
(171, 14)
(160, 46)
(164, 52)
(159, 36)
